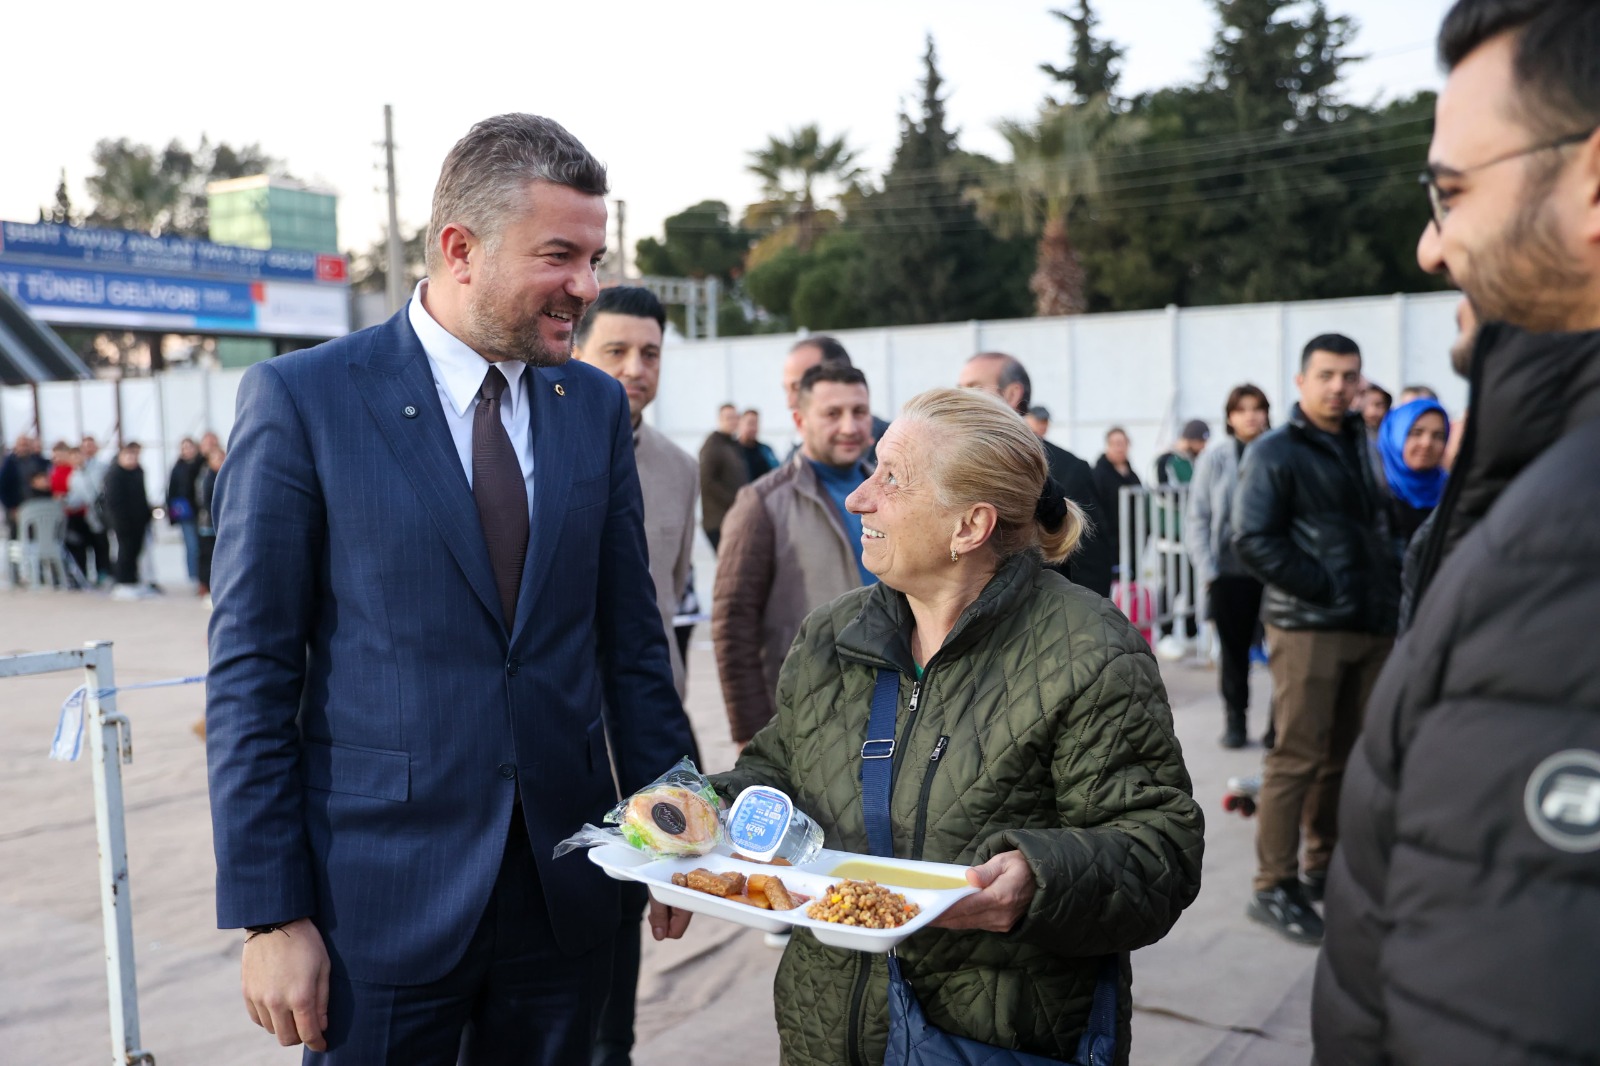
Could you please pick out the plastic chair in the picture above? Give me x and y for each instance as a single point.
(42, 545)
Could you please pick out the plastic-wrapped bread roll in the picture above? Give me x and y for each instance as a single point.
(668, 820)
(676, 815)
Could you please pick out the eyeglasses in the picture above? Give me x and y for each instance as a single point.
(1436, 196)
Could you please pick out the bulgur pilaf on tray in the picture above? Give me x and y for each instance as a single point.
(864, 904)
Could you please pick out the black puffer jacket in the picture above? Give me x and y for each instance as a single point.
(1309, 523)
(1463, 903)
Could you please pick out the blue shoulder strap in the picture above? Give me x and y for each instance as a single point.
(877, 762)
(1097, 1046)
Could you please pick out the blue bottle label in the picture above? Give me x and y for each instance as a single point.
(759, 820)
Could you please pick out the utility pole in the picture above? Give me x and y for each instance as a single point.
(622, 239)
(395, 275)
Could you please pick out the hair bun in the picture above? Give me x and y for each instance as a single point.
(1051, 510)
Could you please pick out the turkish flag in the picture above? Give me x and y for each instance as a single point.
(332, 268)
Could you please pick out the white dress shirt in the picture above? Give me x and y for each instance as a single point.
(458, 375)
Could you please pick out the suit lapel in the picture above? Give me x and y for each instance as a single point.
(395, 380)
(555, 418)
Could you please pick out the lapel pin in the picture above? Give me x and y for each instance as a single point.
(560, 391)
(409, 411)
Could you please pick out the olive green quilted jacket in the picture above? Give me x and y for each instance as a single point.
(1040, 726)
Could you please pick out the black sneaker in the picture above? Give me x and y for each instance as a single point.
(1233, 735)
(1315, 882)
(1269, 739)
(1285, 909)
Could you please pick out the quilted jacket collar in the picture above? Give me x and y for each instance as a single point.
(881, 634)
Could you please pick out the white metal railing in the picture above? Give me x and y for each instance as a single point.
(1151, 557)
(110, 745)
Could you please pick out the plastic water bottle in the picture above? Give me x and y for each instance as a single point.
(764, 824)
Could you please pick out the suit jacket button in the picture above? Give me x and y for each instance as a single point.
(507, 771)
(511, 668)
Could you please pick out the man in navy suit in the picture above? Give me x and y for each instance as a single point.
(429, 578)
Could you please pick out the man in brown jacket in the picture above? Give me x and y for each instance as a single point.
(789, 545)
(722, 473)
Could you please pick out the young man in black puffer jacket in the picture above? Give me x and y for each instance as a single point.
(1463, 904)
(1310, 524)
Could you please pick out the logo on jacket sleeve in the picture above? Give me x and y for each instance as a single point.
(1562, 800)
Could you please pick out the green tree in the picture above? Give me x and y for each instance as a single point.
(1094, 64)
(62, 212)
(927, 256)
(820, 289)
(1054, 167)
(369, 269)
(698, 242)
(1274, 67)
(1259, 182)
(134, 186)
(790, 169)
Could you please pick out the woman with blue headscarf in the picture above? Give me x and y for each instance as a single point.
(1411, 442)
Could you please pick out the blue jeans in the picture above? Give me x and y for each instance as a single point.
(191, 547)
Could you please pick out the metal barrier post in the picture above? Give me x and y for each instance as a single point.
(1169, 563)
(111, 745)
(1124, 544)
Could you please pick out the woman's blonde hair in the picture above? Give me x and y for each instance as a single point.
(981, 451)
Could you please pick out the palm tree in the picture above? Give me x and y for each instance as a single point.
(1053, 166)
(790, 168)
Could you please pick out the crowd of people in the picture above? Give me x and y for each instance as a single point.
(106, 511)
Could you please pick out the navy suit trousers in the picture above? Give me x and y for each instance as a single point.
(513, 1000)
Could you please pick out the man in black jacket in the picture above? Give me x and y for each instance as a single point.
(1310, 524)
(1005, 376)
(1463, 907)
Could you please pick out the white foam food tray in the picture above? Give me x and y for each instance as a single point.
(812, 879)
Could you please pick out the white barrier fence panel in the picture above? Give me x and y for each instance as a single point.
(1155, 578)
(110, 745)
(1146, 371)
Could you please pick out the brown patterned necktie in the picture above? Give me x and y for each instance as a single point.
(501, 493)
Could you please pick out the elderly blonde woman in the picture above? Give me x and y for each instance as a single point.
(1032, 742)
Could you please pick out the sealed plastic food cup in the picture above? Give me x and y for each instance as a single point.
(765, 825)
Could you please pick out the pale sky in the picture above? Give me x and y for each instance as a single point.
(670, 95)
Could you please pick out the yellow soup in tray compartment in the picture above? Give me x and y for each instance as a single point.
(899, 877)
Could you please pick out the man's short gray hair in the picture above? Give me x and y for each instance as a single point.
(1012, 372)
(486, 173)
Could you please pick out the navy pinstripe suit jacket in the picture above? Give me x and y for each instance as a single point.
(369, 718)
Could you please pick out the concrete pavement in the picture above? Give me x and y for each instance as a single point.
(1217, 990)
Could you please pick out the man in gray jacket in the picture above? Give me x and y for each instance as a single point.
(789, 545)
(621, 335)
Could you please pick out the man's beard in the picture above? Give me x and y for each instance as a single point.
(1461, 349)
(498, 331)
(1525, 277)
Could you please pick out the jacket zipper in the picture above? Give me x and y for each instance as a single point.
(922, 800)
(911, 720)
(857, 995)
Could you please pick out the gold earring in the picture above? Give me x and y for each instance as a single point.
(954, 558)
